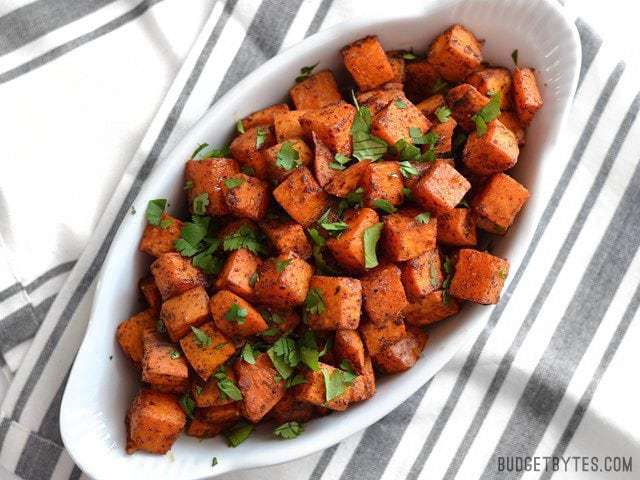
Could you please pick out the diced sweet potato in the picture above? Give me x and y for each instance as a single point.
(264, 116)
(283, 281)
(321, 161)
(207, 394)
(151, 294)
(129, 333)
(382, 181)
(393, 122)
(174, 274)
(205, 358)
(239, 273)
(301, 196)
(479, 276)
(222, 414)
(342, 301)
(376, 337)
(494, 152)
(207, 176)
(348, 248)
(455, 53)
(444, 131)
(186, 310)
(346, 181)
(161, 367)
(434, 307)
(398, 356)
(421, 79)
(246, 196)
(280, 322)
(493, 80)
(421, 336)
(397, 65)
(364, 386)
(157, 240)
(440, 188)
(422, 275)
(316, 91)
(332, 124)
(348, 346)
(313, 391)
(234, 316)
(429, 105)
(526, 96)
(201, 429)
(287, 237)
(512, 122)
(287, 125)
(407, 235)
(457, 227)
(245, 145)
(367, 63)
(275, 171)
(383, 294)
(376, 100)
(498, 202)
(154, 421)
(288, 409)
(259, 387)
(465, 101)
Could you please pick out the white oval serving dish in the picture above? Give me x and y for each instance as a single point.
(99, 390)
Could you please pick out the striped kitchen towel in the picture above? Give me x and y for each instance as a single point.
(553, 373)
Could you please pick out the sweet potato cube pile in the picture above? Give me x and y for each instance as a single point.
(318, 248)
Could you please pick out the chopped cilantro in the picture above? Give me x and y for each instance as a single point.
(365, 145)
(165, 223)
(214, 462)
(261, 136)
(297, 379)
(335, 382)
(489, 112)
(514, 57)
(202, 339)
(227, 388)
(339, 162)
(187, 404)
(236, 314)
(309, 354)
(316, 237)
(232, 183)
(285, 356)
(173, 354)
(442, 114)
(439, 86)
(238, 433)
(188, 185)
(281, 265)
(248, 354)
(200, 203)
(288, 430)
(305, 72)
(155, 209)
(244, 237)
(384, 205)
(288, 157)
(314, 302)
(408, 170)
(240, 126)
(253, 279)
(400, 104)
(247, 170)
(370, 238)
(423, 217)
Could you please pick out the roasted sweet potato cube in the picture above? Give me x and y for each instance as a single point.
(332, 124)
(434, 307)
(154, 421)
(129, 333)
(342, 301)
(376, 100)
(162, 366)
(157, 240)
(440, 188)
(397, 65)
(493, 80)
(421, 80)
(348, 346)
(512, 122)
(322, 160)
(421, 336)
(495, 151)
(376, 337)
(444, 131)
(174, 274)
(280, 161)
(398, 356)
(316, 91)
(526, 96)
(498, 202)
(259, 387)
(412, 180)
(265, 116)
(283, 281)
(457, 227)
(186, 310)
(234, 316)
(207, 394)
(287, 237)
(288, 409)
(239, 273)
(246, 196)
(348, 248)
(429, 105)
(222, 414)
(301, 196)
(201, 429)
(382, 181)
(465, 101)
(245, 145)
(479, 276)
(151, 294)
(205, 357)
(422, 275)
(364, 386)
(408, 234)
(383, 294)
(236, 226)
(207, 176)
(280, 322)
(455, 53)
(367, 63)
(314, 392)
(346, 181)
(287, 125)
(393, 122)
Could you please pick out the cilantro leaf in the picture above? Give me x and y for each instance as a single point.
(281, 265)
(442, 114)
(288, 430)
(285, 356)
(227, 388)
(288, 157)
(400, 104)
(406, 151)
(335, 383)
(232, 183)
(261, 136)
(214, 462)
(489, 112)
(297, 379)
(514, 57)
(384, 205)
(409, 55)
(191, 235)
(348, 373)
(340, 162)
(188, 404)
(408, 170)
(240, 126)
(165, 223)
(188, 185)
(406, 191)
(365, 145)
(370, 238)
(200, 203)
(248, 354)
(207, 262)
(198, 149)
(238, 434)
(318, 239)
(309, 351)
(173, 354)
(419, 138)
(155, 209)
(215, 153)
(439, 86)
(236, 314)
(244, 237)
(202, 339)
(423, 217)
(305, 72)
(314, 303)
(253, 279)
